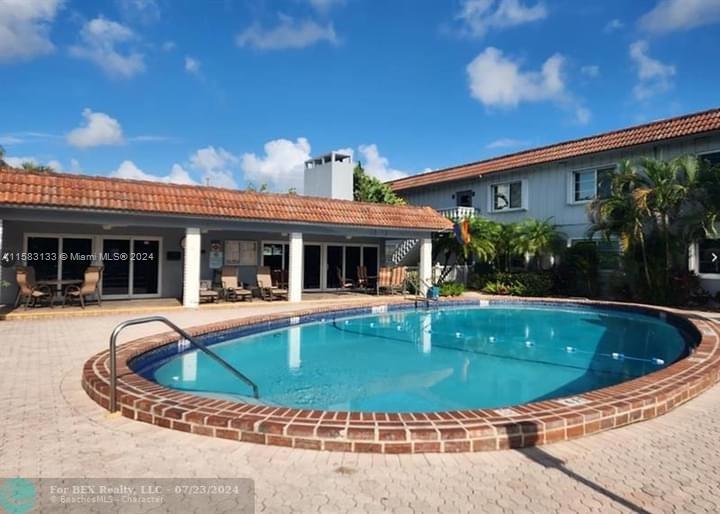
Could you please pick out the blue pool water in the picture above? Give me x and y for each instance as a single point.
(415, 361)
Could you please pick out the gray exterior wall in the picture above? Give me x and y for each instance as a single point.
(548, 186)
(16, 230)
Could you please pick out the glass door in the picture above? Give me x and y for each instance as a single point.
(333, 266)
(131, 267)
(116, 264)
(312, 266)
(145, 266)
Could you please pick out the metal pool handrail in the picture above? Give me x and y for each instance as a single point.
(200, 346)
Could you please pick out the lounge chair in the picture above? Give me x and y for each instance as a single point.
(267, 290)
(342, 281)
(207, 294)
(384, 280)
(90, 286)
(28, 290)
(399, 274)
(232, 289)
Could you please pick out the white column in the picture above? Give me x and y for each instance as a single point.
(294, 347)
(425, 264)
(295, 267)
(191, 275)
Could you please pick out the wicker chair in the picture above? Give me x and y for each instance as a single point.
(90, 286)
(28, 290)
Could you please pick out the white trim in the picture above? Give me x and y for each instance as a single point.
(524, 194)
(571, 182)
(323, 258)
(96, 248)
(700, 154)
(694, 262)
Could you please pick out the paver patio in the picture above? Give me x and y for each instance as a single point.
(51, 428)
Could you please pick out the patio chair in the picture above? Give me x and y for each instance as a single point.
(28, 290)
(399, 274)
(207, 294)
(363, 280)
(344, 283)
(384, 280)
(232, 289)
(267, 290)
(90, 286)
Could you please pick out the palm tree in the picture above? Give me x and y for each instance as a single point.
(620, 215)
(537, 238)
(483, 234)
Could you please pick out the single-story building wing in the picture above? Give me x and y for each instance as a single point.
(158, 240)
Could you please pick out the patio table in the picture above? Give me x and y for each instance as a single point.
(58, 283)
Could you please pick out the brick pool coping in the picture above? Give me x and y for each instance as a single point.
(438, 432)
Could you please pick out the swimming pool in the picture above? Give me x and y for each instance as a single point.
(528, 358)
(454, 358)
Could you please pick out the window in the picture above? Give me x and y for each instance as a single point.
(609, 254)
(464, 198)
(712, 158)
(507, 196)
(709, 255)
(590, 184)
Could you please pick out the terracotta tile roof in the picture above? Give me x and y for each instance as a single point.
(687, 125)
(33, 189)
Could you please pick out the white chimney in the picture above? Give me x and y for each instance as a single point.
(329, 176)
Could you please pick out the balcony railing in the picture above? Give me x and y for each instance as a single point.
(458, 213)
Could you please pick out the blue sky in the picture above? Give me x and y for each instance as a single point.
(231, 92)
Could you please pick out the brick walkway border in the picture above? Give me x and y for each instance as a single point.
(452, 431)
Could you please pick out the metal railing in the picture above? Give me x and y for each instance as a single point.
(418, 285)
(200, 346)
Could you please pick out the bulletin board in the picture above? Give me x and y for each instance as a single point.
(241, 253)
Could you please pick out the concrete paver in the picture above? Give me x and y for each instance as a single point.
(51, 428)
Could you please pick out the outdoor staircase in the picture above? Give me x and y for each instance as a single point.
(403, 251)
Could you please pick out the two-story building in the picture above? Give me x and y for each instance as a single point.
(560, 180)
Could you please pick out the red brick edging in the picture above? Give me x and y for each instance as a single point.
(452, 431)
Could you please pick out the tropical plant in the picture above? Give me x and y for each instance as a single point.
(481, 246)
(536, 238)
(371, 189)
(31, 166)
(452, 289)
(656, 209)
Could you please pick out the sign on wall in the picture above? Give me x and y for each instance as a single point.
(241, 253)
(216, 255)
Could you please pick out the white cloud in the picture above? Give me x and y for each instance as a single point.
(99, 129)
(591, 71)
(177, 175)
(479, 16)
(289, 33)
(495, 80)
(216, 166)
(506, 142)
(192, 65)
(378, 166)
(653, 76)
(281, 166)
(168, 46)
(146, 11)
(498, 81)
(100, 39)
(325, 5)
(677, 15)
(25, 27)
(613, 25)
(17, 162)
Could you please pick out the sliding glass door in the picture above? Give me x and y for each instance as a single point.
(131, 267)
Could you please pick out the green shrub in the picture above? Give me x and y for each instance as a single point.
(578, 272)
(452, 289)
(514, 284)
